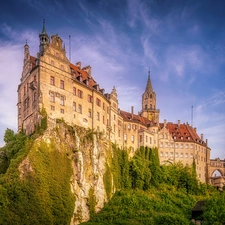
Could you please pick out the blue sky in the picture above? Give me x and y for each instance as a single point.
(183, 43)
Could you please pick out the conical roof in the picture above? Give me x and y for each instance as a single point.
(149, 84)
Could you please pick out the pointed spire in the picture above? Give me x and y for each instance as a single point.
(43, 28)
(149, 83)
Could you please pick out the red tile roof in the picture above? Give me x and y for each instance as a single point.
(183, 132)
(33, 61)
(79, 72)
(135, 118)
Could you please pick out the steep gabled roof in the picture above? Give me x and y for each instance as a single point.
(33, 61)
(135, 118)
(79, 72)
(182, 132)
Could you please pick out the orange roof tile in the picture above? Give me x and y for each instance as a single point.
(135, 118)
(182, 132)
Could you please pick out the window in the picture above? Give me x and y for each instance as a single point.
(62, 100)
(161, 154)
(181, 145)
(132, 138)
(35, 96)
(128, 126)
(125, 137)
(176, 154)
(80, 93)
(74, 106)
(24, 90)
(146, 138)
(166, 145)
(114, 128)
(74, 91)
(98, 102)
(98, 116)
(80, 108)
(103, 105)
(140, 138)
(186, 155)
(52, 108)
(176, 145)
(61, 84)
(186, 145)
(114, 117)
(161, 145)
(62, 111)
(181, 155)
(171, 154)
(166, 154)
(52, 97)
(150, 140)
(89, 113)
(62, 67)
(52, 80)
(52, 62)
(171, 145)
(103, 119)
(192, 146)
(90, 98)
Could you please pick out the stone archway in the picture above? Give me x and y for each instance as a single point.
(217, 165)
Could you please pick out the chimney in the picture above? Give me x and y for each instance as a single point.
(195, 129)
(202, 137)
(88, 70)
(132, 109)
(178, 123)
(206, 141)
(164, 122)
(78, 64)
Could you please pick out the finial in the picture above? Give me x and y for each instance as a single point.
(149, 71)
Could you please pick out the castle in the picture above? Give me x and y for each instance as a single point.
(68, 91)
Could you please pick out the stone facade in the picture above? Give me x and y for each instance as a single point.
(67, 91)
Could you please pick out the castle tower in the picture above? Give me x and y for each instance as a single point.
(149, 102)
(44, 39)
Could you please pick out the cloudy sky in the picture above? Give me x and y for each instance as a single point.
(183, 43)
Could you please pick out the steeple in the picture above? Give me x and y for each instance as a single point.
(149, 88)
(149, 102)
(44, 39)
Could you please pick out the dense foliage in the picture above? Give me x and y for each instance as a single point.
(214, 212)
(35, 186)
(37, 192)
(150, 193)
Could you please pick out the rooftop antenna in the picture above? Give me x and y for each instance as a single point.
(70, 48)
(192, 116)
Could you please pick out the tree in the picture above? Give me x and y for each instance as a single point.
(9, 135)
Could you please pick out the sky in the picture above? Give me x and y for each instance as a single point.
(182, 42)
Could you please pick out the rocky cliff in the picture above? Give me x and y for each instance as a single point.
(87, 153)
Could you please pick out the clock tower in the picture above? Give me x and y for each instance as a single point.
(149, 102)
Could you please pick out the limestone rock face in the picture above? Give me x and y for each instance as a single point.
(89, 167)
(88, 152)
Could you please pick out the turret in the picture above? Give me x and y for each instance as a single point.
(44, 39)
